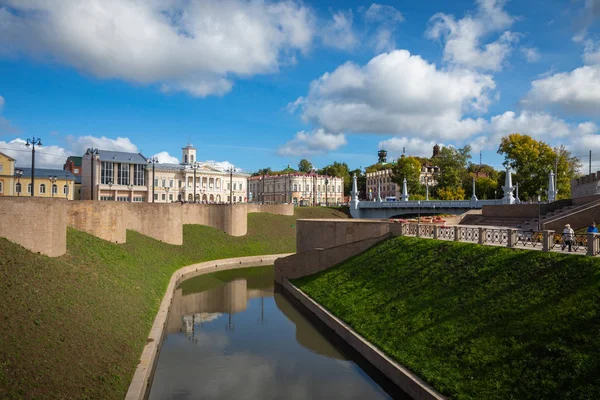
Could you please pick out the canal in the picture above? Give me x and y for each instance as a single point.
(230, 336)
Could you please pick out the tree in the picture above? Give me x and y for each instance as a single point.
(361, 182)
(340, 170)
(453, 172)
(409, 168)
(484, 188)
(305, 166)
(263, 171)
(532, 160)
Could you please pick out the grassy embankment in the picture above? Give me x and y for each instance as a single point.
(74, 326)
(475, 322)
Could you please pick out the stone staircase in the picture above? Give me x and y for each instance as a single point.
(532, 224)
(517, 222)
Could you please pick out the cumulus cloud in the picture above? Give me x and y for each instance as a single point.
(588, 15)
(576, 92)
(581, 148)
(45, 156)
(591, 53)
(222, 165)
(413, 146)
(398, 93)
(531, 54)
(78, 145)
(338, 32)
(165, 158)
(463, 38)
(192, 46)
(310, 143)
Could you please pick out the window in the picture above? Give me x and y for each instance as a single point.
(307, 188)
(229, 186)
(164, 197)
(123, 174)
(170, 182)
(235, 186)
(170, 197)
(138, 175)
(54, 189)
(123, 199)
(192, 158)
(186, 159)
(156, 182)
(42, 189)
(1, 167)
(295, 187)
(66, 189)
(18, 188)
(76, 170)
(339, 189)
(240, 199)
(106, 172)
(1, 187)
(155, 196)
(138, 199)
(164, 183)
(29, 188)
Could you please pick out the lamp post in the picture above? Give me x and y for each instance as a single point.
(33, 142)
(52, 182)
(231, 170)
(67, 190)
(419, 218)
(110, 189)
(540, 210)
(153, 161)
(427, 188)
(92, 152)
(326, 183)
(130, 187)
(167, 190)
(19, 174)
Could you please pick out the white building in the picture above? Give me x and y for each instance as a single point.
(122, 176)
(297, 188)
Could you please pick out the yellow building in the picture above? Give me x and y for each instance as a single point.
(47, 182)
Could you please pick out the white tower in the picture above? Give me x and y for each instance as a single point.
(508, 189)
(188, 154)
(552, 192)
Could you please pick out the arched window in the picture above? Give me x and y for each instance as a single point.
(42, 188)
(186, 159)
(18, 188)
(295, 187)
(54, 189)
(65, 189)
(1, 187)
(192, 158)
(29, 188)
(240, 198)
(307, 188)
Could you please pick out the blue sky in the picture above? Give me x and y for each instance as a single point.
(261, 83)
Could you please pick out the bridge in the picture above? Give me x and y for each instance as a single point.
(389, 209)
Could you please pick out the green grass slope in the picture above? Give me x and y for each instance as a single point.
(475, 322)
(74, 326)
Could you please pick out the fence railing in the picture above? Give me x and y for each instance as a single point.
(545, 240)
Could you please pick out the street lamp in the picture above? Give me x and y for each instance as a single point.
(110, 189)
(153, 161)
(93, 152)
(231, 170)
(52, 182)
(19, 174)
(130, 187)
(540, 210)
(326, 183)
(33, 142)
(167, 190)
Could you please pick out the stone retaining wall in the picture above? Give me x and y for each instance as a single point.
(325, 233)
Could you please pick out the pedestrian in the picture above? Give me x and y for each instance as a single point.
(592, 228)
(568, 235)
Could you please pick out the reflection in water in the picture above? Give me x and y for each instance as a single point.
(263, 348)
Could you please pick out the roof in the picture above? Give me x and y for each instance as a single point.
(121, 157)
(76, 160)
(10, 158)
(47, 173)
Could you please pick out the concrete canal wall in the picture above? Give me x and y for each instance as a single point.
(40, 224)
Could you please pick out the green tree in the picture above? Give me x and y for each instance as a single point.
(305, 166)
(453, 172)
(263, 171)
(409, 168)
(532, 160)
(341, 170)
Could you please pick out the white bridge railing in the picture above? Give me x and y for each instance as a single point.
(580, 243)
(429, 204)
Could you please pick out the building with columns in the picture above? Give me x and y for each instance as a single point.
(297, 188)
(119, 176)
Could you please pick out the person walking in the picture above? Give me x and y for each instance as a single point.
(568, 235)
(592, 228)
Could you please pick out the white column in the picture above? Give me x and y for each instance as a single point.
(551, 189)
(404, 190)
(474, 197)
(508, 189)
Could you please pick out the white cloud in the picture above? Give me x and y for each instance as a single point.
(591, 53)
(338, 33)
(222, 165)
(309, 143)
(576, 92)
(45, 156)
(193, 46)
(78, 145)
(531, 54)
(165, 158)
(581, 148)
(588, 15)
(414, 146)
(463, 38)
(385, 18)
(2, 102)
(398, 93)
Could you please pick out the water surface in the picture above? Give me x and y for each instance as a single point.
(229, 336)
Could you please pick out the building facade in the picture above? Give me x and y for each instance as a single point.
(46, 182)
(73, 165)
(297, 188)
(130, 177)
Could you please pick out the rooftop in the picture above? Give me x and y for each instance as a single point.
(76, 160)
(47, 173)
(122, 157)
